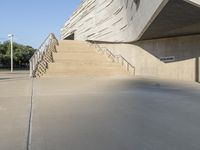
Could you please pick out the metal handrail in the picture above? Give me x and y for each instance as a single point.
(115, 58)
(38, 55)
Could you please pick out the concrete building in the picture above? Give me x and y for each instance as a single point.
(160, 38)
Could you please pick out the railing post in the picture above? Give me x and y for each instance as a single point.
(31, 68)
(38, 55)
(122, 61)
(116, 58)
(33, 63)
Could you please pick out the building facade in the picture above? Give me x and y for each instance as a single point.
(160, 38)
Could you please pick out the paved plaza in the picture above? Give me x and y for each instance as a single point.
(98, 113)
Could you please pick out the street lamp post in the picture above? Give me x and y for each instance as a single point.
(11, 57)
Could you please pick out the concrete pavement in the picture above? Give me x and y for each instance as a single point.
(115, 114)
(100, 114)
(15, 92)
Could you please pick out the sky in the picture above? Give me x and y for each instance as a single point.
(31, 21)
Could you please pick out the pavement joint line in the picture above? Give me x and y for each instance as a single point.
(30, 120)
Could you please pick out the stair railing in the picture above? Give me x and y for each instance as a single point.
(38, 55)
(115, 58)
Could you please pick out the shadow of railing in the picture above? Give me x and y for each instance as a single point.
(197, 69)
(115, 58)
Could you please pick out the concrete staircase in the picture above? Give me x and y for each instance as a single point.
(76, 58)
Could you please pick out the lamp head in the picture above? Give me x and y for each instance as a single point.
(10, 35)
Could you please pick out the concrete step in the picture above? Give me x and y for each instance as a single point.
(87, 72)
(71, 42)
(83, 46)
(58, 67)
(75, 51)
(75, 47)
(83, 63)
(85, 75)
(78, 56)
(73, 60)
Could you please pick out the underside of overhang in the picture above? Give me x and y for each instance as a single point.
(178, 18)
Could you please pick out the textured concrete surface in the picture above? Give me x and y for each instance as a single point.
(112, 20)
(76, 58)
(15, 95)
(145, 57)
(115, 114)
(176, 18)
(156, 28)
(101, 114)
(132, 20)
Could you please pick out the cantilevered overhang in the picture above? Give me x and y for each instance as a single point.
(194, 2)
(177, 18)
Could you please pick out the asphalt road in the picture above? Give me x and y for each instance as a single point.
(100, 114)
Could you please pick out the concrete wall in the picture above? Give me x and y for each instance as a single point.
(145, 56)
(133, 20)
(138, 21)
(112, 20)
(194, 2)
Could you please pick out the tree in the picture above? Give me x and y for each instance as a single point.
(21, 54)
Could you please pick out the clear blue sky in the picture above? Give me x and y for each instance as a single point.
(32, 20)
